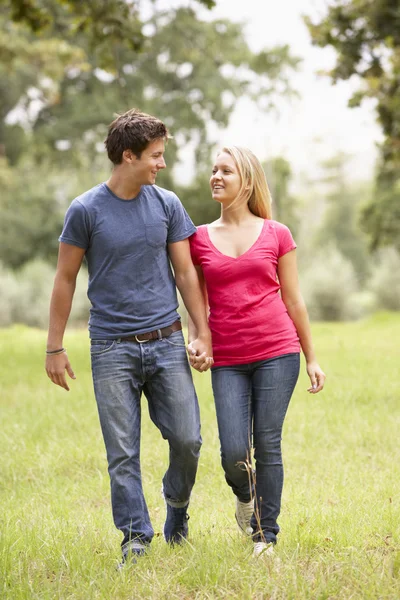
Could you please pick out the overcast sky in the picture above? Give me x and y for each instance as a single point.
(319, 124)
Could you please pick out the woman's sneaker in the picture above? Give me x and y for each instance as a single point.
(243, 514)
(263, 549)
(131, 551)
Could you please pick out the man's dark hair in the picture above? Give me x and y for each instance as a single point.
(134, 131)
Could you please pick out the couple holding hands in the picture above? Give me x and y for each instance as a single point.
(140, 245)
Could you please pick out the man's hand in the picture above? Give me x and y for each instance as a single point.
(200, 354)
(55, 368)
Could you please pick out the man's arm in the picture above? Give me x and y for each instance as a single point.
(69, 262)
(188, 285)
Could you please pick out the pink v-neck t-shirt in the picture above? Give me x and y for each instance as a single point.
(248, 319)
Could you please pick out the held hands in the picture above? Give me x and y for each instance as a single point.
(200, 354)
(317, 377)
(56, 366)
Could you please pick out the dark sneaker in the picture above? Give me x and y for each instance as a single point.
(176, 526)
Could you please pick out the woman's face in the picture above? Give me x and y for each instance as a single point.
(225, 180)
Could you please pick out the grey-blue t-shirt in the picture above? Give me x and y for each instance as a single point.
(131, 285)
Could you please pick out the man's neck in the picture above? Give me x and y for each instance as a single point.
(122, 186)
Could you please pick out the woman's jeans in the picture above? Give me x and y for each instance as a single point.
(251, 402)
(121, 371)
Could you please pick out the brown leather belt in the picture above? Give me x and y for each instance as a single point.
(158, 334)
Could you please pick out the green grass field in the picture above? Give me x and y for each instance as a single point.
(340, 520)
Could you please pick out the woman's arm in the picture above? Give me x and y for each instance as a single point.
(192, 330)
(294, 302)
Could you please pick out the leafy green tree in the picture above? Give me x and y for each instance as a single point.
(366, 37)
(339, 227)
(32, 206)
(380, 217)
(106, 25)
(30, 68)
(189, 72)
(284, 205)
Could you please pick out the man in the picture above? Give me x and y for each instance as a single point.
(129, 230)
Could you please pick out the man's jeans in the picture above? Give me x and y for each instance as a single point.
(121, 371)
(254, 398)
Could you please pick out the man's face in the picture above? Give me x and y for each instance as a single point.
(145, 169)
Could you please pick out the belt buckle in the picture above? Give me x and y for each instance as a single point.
(141, 341)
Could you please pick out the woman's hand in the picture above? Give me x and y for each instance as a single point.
(317, 377)
(200, 354)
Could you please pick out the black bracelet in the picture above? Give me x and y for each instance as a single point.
(59, 351)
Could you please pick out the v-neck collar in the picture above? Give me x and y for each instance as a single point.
(212, 245)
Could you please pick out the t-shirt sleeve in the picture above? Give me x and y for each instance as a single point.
(193, 240)
(285, 239)
(180, 224)
(76, 230)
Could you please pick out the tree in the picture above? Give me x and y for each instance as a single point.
(380, 217)
(278, 174)
(339, 227)
(30, 217)
(366, 37)
(30, 68)
(107, 25)
(189, 72)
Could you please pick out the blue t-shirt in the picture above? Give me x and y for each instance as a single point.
(131, 284)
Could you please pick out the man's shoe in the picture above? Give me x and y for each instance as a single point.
(243, 514)
(176, 526)
(263, 549)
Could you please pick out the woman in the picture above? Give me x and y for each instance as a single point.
(243, 260)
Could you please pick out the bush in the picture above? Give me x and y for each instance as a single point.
(8, 293)
(330, 288)
(34, 284)
(25, 296)
(385, 282)
(80, 307)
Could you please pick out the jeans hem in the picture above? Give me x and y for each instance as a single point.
(177, 504)
(244, 499)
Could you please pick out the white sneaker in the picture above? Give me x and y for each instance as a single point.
(263, 549)
(243, 514)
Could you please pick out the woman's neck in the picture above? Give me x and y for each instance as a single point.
(236, 215)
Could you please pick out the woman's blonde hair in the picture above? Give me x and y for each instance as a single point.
(254, 188)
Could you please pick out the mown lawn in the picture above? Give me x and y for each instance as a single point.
(340, 521)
